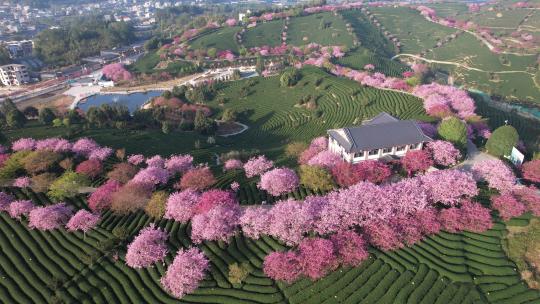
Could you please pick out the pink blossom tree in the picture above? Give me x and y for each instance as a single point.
(382, 236)
(279, 181)
(282, 266)
(213, 198)
(199, 178)
(155, 161)
(529, 197)
(19, 208)
(257, 166)
(181, 205)
(508, 206)
(148, 247)
(152, 176)
(91, 168)
(255, 221)
(179, 163)
(350, 248)
(84, 146)
(5, 201)
(416, 161)
(428, 220)
(22, 182)
(100, 154)
(136, 159)
(449, 186)
(22, 144)
(233, 164)
(218, 224)
(116, 72)
(83, 220)
(531, 171)
(496, 173)
(289, 220)
(325, 159)
(101, 198)
(185, 272)
(443, 152)
(49, 217)
(373, 171)
(316, 257)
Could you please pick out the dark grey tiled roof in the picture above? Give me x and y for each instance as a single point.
(380, 132)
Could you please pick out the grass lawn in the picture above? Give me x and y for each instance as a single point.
(268, 33)
(222, 39)
(324, 29)
(522, 246)
(147, 63)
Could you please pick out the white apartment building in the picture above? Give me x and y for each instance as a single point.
(14, 74)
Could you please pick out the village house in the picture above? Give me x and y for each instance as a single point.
(382, 138)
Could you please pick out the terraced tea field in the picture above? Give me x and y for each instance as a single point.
(268, 33)
(324, 29)
(270, 112)
(415, 33)
(222, 39)
(60, 267)
(360, 57)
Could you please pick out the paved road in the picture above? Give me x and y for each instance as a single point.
(473, 156)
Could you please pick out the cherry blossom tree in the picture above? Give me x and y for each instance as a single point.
(155, 161)
(383, 236)
(83, 220)
(282, 266)
(91, 168)
(152, 176)
(148, 247)
(529, 197)
(289, 220)
(279, 181)
(116, 72)
(257, 166)
(218, 224)
(23, 144)
(373, 171)
(213, 198)
(428, 220)
(49, 217)
(100, 154)
(181, 205)
(179, 163)
(199, 178)
(350, 248)
(22, 182)
(496, 173)
(136, 159)
(443, 152)
(19, 208)
(233, 164)
(5, 201)
(101, 198)
(316, 257)
(185, 272)
(416, 161)
(508, 206)
(449, 186)
(325, 159)
(531, 171)
(84, 146)
(475, 217)
(255, 221)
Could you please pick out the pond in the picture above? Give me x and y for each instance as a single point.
(133, 101)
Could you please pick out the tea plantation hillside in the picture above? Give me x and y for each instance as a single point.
(61, 267)
(270, 111)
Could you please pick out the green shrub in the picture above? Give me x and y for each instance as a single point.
(502, 140)
(238, 273)
(156, 206)
(454, 131)
(14, 165)
(316, 178)
(67, 185)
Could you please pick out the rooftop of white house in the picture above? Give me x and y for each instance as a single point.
(383, 131)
